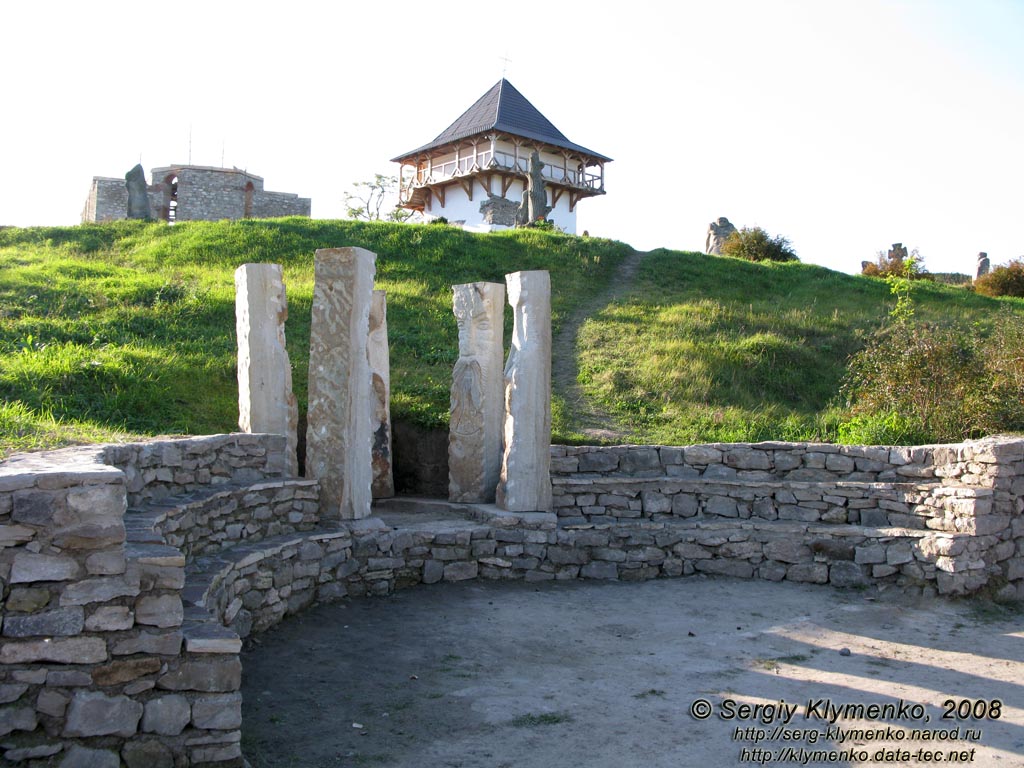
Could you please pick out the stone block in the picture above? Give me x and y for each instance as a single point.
(62, 622)
(599, 570)
(266, 402)
(655, 503)
(461, 571)
(702, 454)
(27, 599)
(159, 611)
(92, 713)
(771, 571)
(721, 506)
(738, 568)
(638, 462)
(598, 461)
(745, 458)
(99, 590)
(846, 574)
(219, 713)
(29, 567)
(69, 650)
(17, 719)
(787, 551)
(147, 753)
(815, 573)
(525, 480)
(208, 676)
(77, 756)
(684, 505)
(339, 438)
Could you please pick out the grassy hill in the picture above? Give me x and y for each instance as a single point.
(705, 348)
(127, 329)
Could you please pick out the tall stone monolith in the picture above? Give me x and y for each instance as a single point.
(266, 402)
(525, 483)
(380, 403)
(339, 435)
(477, 398)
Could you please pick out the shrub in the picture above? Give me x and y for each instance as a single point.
(757, 245)
(897, 263)
(1003, 281)
(924, 382)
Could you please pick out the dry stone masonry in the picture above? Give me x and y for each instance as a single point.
(339, 435)
(130, 573)
(266, 402)
(477, 398)
(525, 483)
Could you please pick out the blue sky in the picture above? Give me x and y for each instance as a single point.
(843, 126)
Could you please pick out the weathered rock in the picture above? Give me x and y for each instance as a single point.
(27, 599)
(718, 233)
(383, 486)
(460, 571)
(525, 483)
(61, 622)
(118, 672)
(63, 650)
(983, 266)
(109, 618)
(266, 402)
(477, 400)
(159, 610)
(221, 713)
(147, 753)
(92, 713)
(78, 756)
(138, 194)
(167, 715)
(207, 676)
(98, 590)
(17, 719)
(600, 569)
(846, 574)
(339, 439)
(29, 567)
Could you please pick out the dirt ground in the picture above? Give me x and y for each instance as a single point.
(615, 675)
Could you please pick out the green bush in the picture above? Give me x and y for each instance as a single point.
(757, 245)
(1003, 281)
(925, 382)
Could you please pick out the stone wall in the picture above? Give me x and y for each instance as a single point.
(107, 200)
(101, 663)
(118, 648)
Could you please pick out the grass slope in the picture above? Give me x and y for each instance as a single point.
(128, 328)
(706, 348)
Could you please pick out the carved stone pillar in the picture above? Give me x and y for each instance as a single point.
(525, 483)
(265, 399)
(477, 403)
(380, 403)
(339, 435)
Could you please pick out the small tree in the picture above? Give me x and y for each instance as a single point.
(894, 264)
(757, 245)
(1003, 281)
(368, 200)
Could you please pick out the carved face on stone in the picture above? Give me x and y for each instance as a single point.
(472, 313)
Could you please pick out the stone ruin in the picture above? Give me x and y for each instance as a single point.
(131, 573)
(718, 232)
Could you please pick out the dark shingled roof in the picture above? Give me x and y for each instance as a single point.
(505, 109)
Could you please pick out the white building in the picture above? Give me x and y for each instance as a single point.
(474, 172)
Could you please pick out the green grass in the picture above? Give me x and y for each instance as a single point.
(127, 329)
(706, 348)
(124, 330)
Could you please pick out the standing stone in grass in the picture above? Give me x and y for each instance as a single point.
(138, 194)
(266, 402)
(718, 233)
(339, 434)
(983, 265)
(380, 385)
(477, 398)
(525, 483)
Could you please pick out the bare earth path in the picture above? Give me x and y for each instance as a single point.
(611, 675)
(587, 417)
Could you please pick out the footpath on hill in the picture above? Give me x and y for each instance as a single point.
(587, 417)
